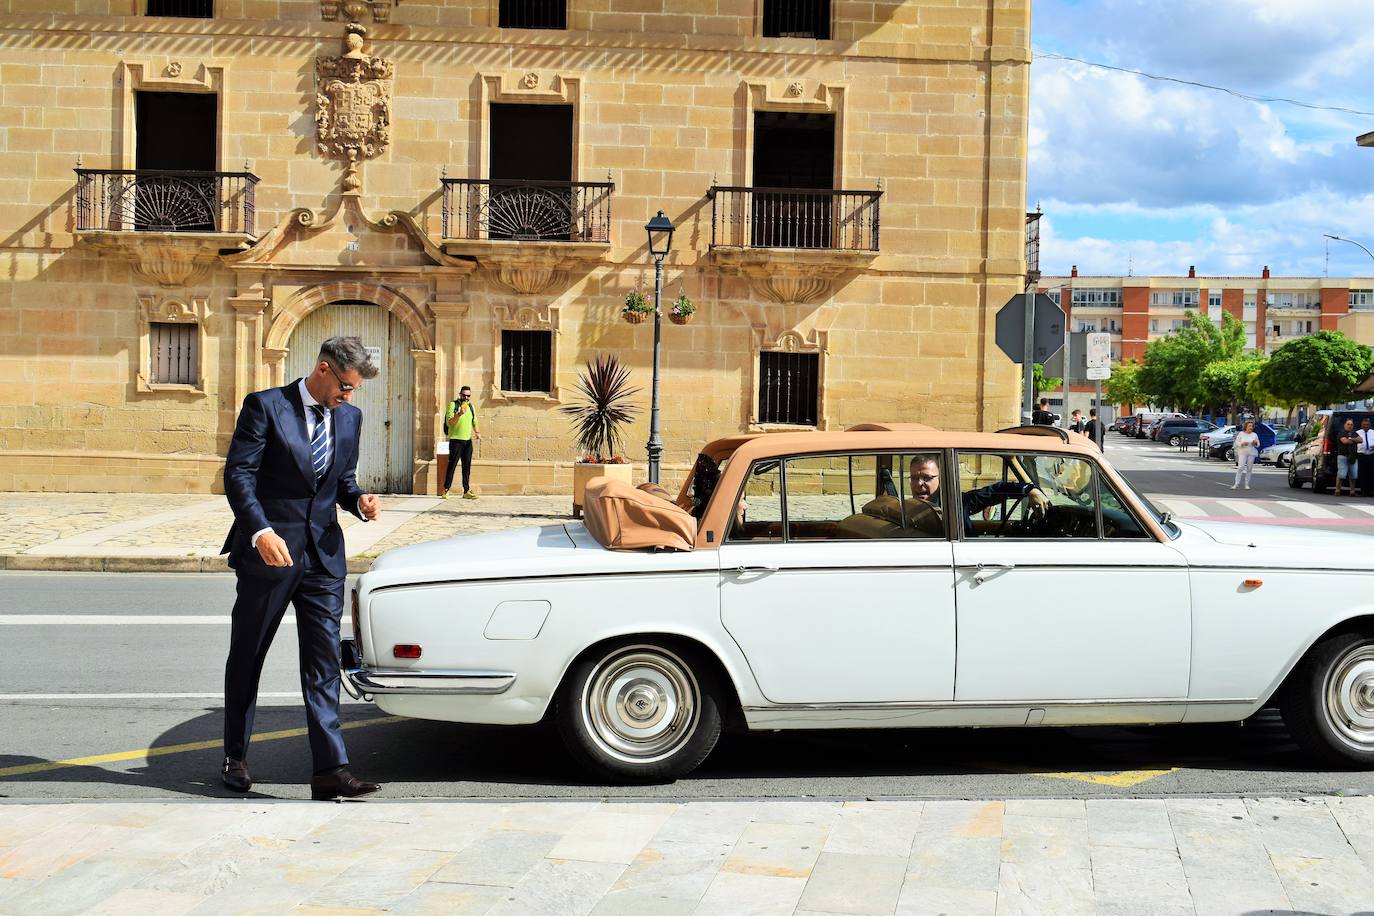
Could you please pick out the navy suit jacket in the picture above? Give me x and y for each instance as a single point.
(270, 482)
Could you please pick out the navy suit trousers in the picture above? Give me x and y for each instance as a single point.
(317, 597)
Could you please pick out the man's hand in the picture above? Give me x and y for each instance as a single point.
(370, 506)
(476, 434)
(273, 550)
(1039, 502)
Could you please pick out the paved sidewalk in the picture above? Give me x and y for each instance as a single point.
(1127, 856)
(136, 532)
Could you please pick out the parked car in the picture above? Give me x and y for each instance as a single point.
(1279, 453)
(1222, 446)
(1126, 425)
(818, 580)
(1183, 432)
(1220, 432)
(1144, 419)
(1314, 458)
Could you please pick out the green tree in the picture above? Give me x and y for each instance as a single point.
(1226, 382)
(1124, 385)
(1173, 370)
(1322, 368)
(1041, 383)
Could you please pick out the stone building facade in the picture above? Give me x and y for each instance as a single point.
(192, 202)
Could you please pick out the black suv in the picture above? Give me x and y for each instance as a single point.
(1178, 432)
(1314, 458)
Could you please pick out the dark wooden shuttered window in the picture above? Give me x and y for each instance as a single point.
(796, 19)
(533, 14)
(186, 9)
(788, 388)
(172, 348)
(526, 360)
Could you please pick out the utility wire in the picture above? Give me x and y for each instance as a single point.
(1052, 55)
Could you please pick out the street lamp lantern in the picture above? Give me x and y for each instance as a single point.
(660, 230)
(1351, 241)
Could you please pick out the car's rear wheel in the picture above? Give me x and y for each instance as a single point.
(1294, 480)
(1319, 484)
(640, 712)
(1175, 441)
(1328, 702)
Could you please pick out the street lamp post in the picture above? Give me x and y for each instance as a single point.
(1351, 241)
(660, 230)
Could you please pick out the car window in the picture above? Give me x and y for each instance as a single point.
(863, 497)
(1117, 521)
(758, 514)
(1023, 495)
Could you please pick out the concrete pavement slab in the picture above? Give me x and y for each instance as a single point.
(860, 884)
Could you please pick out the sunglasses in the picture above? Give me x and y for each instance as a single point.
(343, 386)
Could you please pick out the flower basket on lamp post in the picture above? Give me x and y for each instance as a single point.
(637, 309)
(682, 309)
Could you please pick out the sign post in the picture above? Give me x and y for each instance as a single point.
(1099, 367)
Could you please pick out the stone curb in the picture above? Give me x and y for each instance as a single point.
(119, 564)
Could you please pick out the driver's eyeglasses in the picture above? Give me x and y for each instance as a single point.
(343, 386)
(925, 478)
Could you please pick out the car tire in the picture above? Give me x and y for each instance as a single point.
(1319, 485)
(1328, 701)
(1175, 441)
(1294, 480)
(675, 722)
(1230, 454)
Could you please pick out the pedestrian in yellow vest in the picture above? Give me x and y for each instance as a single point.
(460, 425)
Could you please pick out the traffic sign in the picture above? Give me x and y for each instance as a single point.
(1097, 373)
(1099, 353)
(1047, 329)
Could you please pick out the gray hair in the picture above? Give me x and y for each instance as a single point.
(344, 353)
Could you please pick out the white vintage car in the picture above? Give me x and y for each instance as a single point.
(888, 576)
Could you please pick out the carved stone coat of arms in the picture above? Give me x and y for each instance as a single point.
(353, 101)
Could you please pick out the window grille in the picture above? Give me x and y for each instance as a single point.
(796, 19)
(526, 360)
(533, 14)
(788, 388)
(185, 9)
(172, 349)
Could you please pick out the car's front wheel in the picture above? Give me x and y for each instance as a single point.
(640, 712)
(1175, 441)
(1328, 702)
(1230, 454)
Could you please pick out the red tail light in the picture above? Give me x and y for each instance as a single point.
(406, 650)
(1326, 446)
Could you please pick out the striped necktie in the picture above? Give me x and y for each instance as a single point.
(319, 442)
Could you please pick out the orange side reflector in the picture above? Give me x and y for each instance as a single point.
(405, 650)
(1253, 583)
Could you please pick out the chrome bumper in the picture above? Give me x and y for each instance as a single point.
(360, 681)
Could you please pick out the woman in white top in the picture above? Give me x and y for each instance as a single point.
(1247, 450)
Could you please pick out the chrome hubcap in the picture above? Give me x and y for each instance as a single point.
(1350, 697)
(640, 704)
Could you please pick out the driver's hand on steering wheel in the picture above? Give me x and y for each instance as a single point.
(1039, 502)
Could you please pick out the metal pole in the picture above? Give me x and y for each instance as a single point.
(655, 444)
(1065, 363)
(1028, 359)
(1097, 405)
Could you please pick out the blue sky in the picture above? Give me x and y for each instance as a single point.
(1151, 176)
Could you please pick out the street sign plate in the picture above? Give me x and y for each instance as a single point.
(1047, 331)
(1099, 372)
(1099, 352)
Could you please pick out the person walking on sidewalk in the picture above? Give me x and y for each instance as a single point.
(1042, 416)
(1247, 450)
(293, 458)
(1364, 460)
(1347, 457)
(460, 425)
(1096, 430)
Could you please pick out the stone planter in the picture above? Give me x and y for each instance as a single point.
(584, 472)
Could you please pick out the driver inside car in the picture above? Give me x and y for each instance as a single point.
(925, 485)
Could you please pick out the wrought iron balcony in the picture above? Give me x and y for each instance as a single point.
(146, 200)
(794, 218)
(527, 211)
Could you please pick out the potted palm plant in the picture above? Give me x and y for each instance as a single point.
(599, 414)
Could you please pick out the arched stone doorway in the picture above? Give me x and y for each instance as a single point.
(386, 457)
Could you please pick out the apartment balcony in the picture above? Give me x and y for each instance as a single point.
(529, 234)
(171, 224)
(793, 243)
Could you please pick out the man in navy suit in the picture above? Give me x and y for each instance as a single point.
(294, 457)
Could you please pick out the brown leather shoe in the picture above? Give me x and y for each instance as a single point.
(339, 783)
(234, 774)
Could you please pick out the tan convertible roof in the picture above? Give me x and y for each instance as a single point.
(898, 436)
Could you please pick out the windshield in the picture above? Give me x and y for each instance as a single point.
(1159, 515)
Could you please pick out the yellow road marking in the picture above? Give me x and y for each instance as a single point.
(1123, 780)
(120, 756)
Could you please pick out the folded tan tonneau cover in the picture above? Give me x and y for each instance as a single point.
(622, 517)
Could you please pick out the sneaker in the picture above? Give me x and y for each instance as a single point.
(468, 494)
(1247, 486)
(444, 495)
(1233, 486)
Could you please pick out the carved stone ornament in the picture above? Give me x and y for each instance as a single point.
(174, 69)
(354, 10)
(531, 80)
(353, 101)
(796, 88)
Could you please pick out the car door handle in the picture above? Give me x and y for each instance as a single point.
(744, 570)
(988, 570)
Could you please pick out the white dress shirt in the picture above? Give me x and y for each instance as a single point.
(308, 401)
(1366, 441)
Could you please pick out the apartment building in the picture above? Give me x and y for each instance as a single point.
(1137, 310)
(197, 192)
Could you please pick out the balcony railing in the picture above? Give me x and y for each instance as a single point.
(531, 211)
(794, 218)
(147, 200)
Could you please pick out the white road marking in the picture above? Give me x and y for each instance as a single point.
(1367, 510)
(1179, 507)
(166, 620)
(1311, 511)
(1244, 507)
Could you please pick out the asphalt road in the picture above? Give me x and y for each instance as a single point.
(123, 702)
